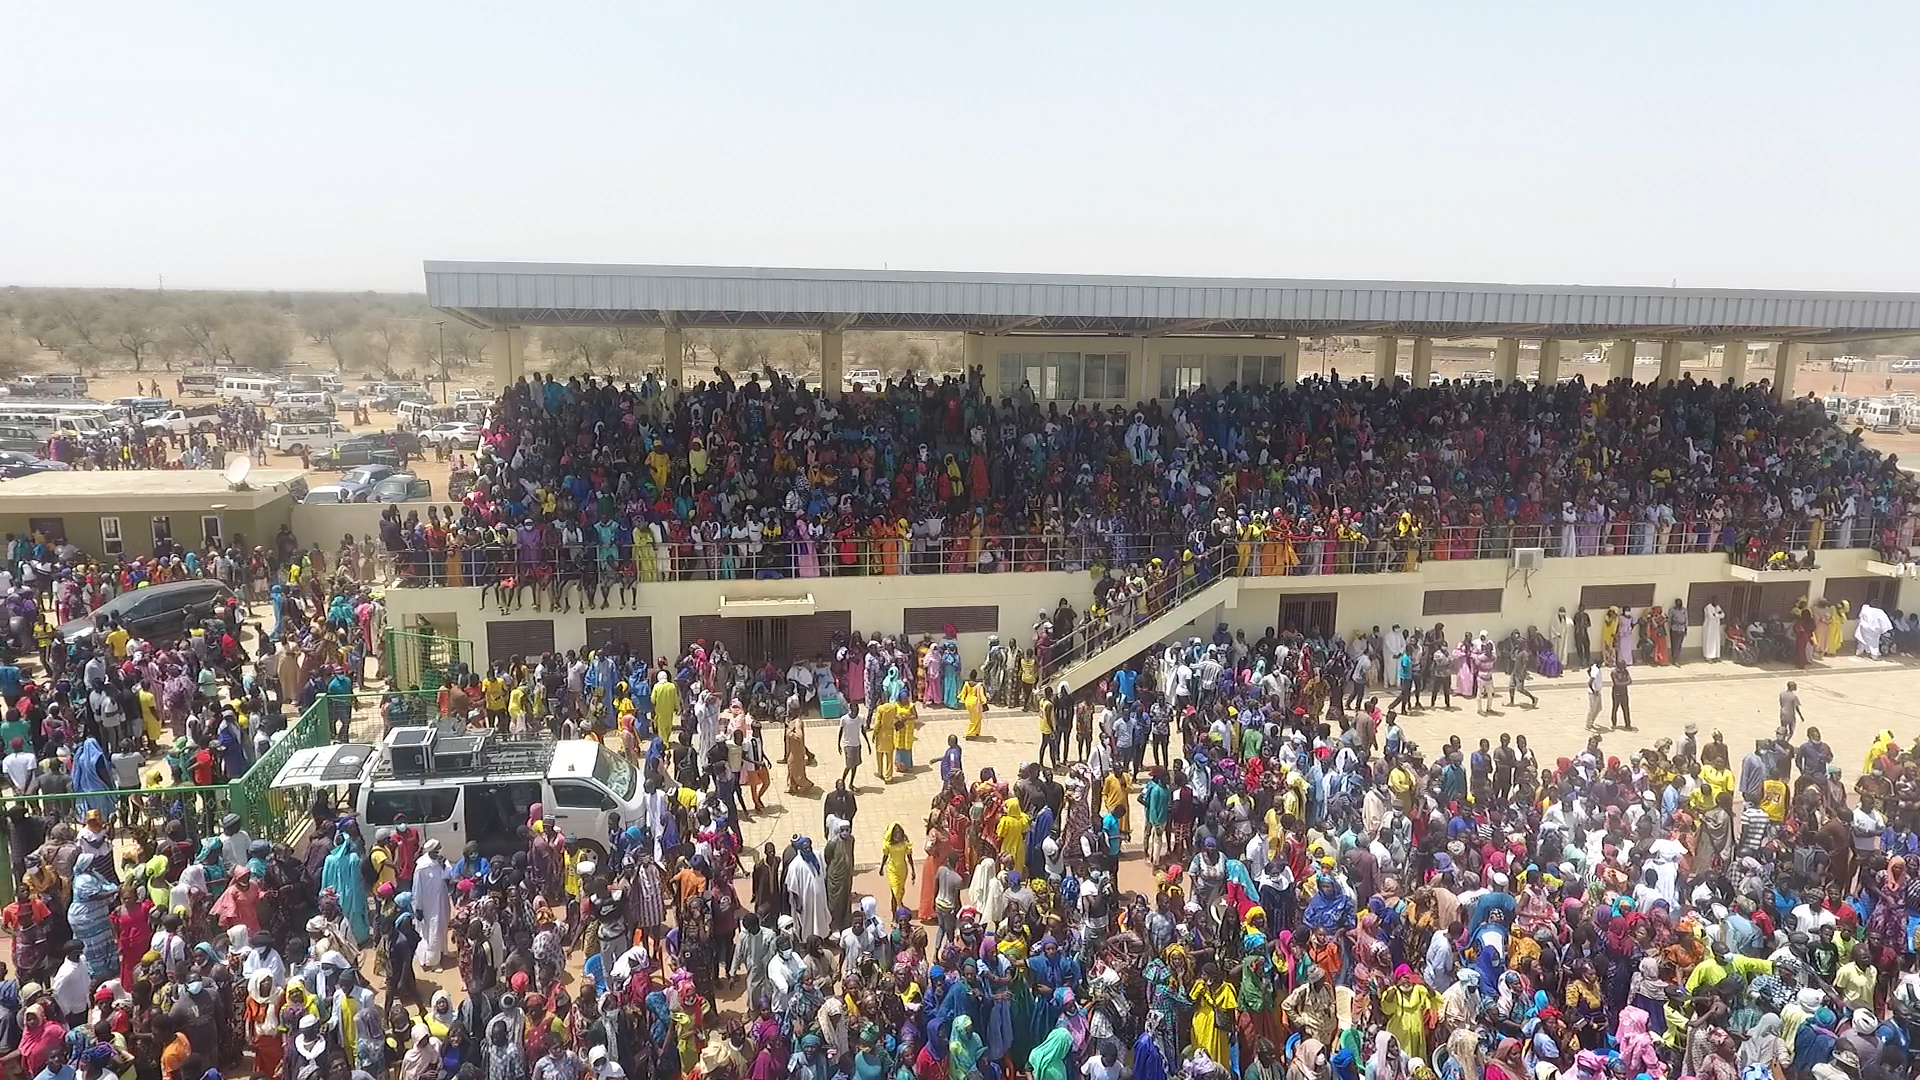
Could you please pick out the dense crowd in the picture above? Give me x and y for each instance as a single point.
(583, 481)
(235, 426)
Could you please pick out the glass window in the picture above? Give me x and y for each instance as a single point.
(1105, 375)
(110, 539)
(1063, 376)
(1222, 369)
(1179, 374)
(1261, 371)
(1016, 368)
(579, 795)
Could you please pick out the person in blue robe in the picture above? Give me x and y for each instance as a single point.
(341, 873)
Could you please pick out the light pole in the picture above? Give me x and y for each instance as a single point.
(442, 325)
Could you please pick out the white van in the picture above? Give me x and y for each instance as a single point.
(420, 415)
(316, 435)
(460, 787)
(308, 400)
(1883, 416)
(49, 424)
(255, 388)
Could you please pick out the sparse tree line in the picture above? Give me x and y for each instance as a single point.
(87, 330)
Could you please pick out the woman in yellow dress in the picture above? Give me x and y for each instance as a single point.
(1113, 800)
(896, 859)
(645, 564)
(1012, 832)
(974, 697)
(1836, 633)
(1609, 634)
(1407, 1003)
(1214, 1005)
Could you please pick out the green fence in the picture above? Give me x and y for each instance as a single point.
(137, 815)
(420, 659)
(276, 815)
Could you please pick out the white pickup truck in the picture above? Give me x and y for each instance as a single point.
(183, 421)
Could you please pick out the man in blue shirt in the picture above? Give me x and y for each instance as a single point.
(1405, 702)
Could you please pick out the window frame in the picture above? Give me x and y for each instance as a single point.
(115, 544)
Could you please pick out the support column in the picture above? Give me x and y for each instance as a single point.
(673, 356)
(509, 355)
(1549, 362)
(1506, 361)
(1733, 363)
(1422, 361)
(1669, 362)
(1786, 363)
(1386, 358)
(1290, 362)
(830, 362)
(1620, 359)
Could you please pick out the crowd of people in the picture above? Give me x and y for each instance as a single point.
(584, 482)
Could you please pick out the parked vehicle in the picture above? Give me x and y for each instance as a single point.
(401, 487)
(314, 436)
(258, 389)
(360, 450)
(480, 792)
(68, 386)
(15, 464)
(22, 440)
(335, 493)
(200, 384)
(155, 610)
(309, 400)
(458, 434)
(184, 421)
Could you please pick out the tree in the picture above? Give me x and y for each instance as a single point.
(327, 323)
(135, 329)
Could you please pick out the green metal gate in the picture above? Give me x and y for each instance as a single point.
(421, 659)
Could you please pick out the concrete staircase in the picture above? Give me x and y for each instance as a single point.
(1222, 592)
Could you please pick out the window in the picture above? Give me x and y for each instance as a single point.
(210, 530)
(1601, 597)
(418, 805)
(1105, 375)
(162, 531)
(1221, 370)
(1462, 601)
(50, 529)
(1017, 368)
(1262, 370)
(111, 541)
(1860, 591)
(1179, 374)
(578, 795)
(1061, 376)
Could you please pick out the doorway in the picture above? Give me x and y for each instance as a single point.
(1309, 613)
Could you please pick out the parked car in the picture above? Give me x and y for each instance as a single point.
(155, 611)
(14, 463)
(363, 450)
(367, 475)
(324, 494)
(402, 487)
(458, 434)
(183, 421)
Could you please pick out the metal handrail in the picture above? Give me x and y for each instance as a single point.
(1292, 556)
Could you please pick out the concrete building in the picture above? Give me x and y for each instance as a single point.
(124, 514)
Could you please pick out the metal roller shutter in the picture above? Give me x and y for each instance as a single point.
(525, 638)
(984, 619)
(710, 628)
(1602, 597)
(810, 637)
(1462, 601)
(635, 631)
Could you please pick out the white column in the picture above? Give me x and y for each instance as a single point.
(1786, 362)
(830, 362)
(509, 355)
(1506, 360)
(1620, 359)
(1669, 362)
(673, 356)
(987, 360)
(1549, 362)
(1290, 362)
(1386, 358)
(1422, 361)
(1733, 363)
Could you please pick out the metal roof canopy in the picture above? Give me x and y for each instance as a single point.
(562, 294)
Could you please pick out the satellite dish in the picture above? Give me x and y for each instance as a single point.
(237, 471)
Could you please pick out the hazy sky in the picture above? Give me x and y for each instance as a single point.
(338, 145)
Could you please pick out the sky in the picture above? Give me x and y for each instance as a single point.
(337, 146)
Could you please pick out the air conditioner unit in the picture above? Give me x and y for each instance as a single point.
(410, 750)
(1529, 558)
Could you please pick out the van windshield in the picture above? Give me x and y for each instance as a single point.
(613, 771)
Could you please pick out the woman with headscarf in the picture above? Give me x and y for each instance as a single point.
(1506, 1063)
(40, 1037)
(839, 874)
(342, 875)
(260, 1017)
(1635, 1042)
(91, 919)
(964, 1048)
(1049, 1060)
(1408, 1004)
(1764, 1048)
(423, 1056)
(988, 893)
(504, 1057)
(1388, 1061)
(806, 886)
(1011, 832)
(1214, 1005)
(973, 696)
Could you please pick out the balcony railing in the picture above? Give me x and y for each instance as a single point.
(1296, 556)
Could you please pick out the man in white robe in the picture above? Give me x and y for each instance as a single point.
(1871, 630)
(432, 904)
(807, 892)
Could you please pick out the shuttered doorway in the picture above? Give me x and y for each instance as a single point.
(525, 638)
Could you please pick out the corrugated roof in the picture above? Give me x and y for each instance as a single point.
(550, 294)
